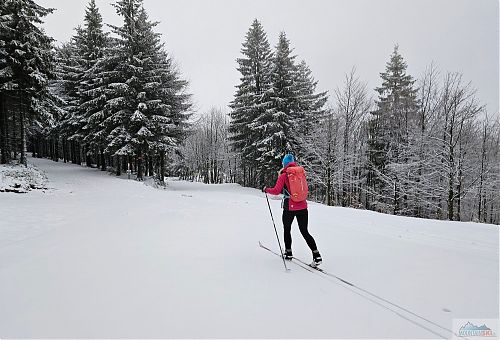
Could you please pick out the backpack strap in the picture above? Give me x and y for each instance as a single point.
(286, 194)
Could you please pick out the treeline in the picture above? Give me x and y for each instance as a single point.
(113, 99)
(422, 147)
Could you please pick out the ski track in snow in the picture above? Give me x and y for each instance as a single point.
(100, 256)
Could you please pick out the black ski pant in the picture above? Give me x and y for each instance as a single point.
(302, 217)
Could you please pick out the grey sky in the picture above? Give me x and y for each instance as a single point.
(205, 36)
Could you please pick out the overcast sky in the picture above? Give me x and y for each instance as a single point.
(205, 37)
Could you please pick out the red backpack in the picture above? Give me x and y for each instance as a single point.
(298, 183)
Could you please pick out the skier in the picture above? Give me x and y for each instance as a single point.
(291, 209)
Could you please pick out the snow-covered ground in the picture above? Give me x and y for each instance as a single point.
(99, 256)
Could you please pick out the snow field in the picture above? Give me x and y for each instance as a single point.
(99, 256)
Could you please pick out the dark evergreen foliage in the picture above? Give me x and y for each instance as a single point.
(389, 132)
(274, 107)
(252, 99)
(26, 67)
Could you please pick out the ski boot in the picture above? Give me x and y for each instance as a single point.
(287, 254)
(316, 259)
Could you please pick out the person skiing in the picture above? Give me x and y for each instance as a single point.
(294, 205)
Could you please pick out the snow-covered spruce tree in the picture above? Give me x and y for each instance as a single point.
(6, 80)
(26, 64)
(308, 106)
(69, 73)
(82, 89)
(307, 114)
(389, 130)
(147, 107)
(275, 124)
(93, 49)
(251, 100)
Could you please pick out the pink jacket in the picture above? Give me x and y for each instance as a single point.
(281, 182)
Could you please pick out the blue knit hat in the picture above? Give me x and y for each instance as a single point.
(287, 159)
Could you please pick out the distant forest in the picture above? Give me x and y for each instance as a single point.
(112, 98)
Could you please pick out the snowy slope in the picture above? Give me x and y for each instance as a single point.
(99, 256)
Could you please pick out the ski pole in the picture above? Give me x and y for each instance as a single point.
(279, 244)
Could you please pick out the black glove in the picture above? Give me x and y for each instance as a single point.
(264, 189)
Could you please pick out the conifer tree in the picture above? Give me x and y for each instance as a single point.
(389, 130)
(147, 108)
(6, 79)
(82, 85)
(94, 46)
(251, 100)
(275, 124)
(26, 64)
(309, 109)
(64, 87)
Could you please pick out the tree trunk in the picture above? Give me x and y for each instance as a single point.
(56, 146)
(344, 160)
(39, 146)
(33, 145)
(328, 185)
(459, 194)
(23, 133)
(139, 166)
(125, 162)
(480, 214)
(8, 143)
(88, 157)
(103, 159)
(451, 179)
(162, 166)
(118, 165)
(97, 157)
(51, 149)
(78, 153)
(64, 150)
(3, 130)
(396, 197)
(14, 144)
(450, 197)
(151, 164)
(73, 152)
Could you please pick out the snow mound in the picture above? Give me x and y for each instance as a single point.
(20, 179)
